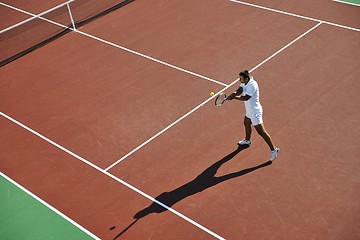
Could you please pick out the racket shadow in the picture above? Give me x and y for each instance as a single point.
(204, 181)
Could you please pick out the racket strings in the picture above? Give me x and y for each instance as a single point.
(220, 99)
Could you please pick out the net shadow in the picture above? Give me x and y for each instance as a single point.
(37, 33)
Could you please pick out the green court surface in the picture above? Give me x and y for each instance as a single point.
(24, 217)
(350, 1)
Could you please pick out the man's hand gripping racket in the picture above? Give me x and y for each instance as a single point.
(222, 98)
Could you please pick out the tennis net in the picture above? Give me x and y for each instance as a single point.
(40, 29)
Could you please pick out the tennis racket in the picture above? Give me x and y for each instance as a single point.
(220, 100)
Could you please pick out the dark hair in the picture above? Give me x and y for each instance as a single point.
(245, 74)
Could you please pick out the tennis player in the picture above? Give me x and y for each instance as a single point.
(249, 93)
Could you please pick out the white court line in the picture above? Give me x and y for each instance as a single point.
(33, 17)
(113, 177)
(349, 3)
(286, 46)
(117, 46)
(150, 58)
(206, 101)
(165, 129)
(295, 15)
(50, 207)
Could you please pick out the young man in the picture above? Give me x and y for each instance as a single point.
(249, 93)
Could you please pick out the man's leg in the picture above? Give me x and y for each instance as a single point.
(247, 124)
(265, 135)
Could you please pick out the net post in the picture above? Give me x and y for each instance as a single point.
(71, 17)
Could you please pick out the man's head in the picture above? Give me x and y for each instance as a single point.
(244, 76)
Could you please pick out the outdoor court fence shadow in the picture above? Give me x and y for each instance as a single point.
(204, 181)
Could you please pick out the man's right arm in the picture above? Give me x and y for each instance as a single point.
(238, 92)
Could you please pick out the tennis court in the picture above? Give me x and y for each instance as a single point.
(108, 130)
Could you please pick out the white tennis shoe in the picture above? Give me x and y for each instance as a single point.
(274, 154)
(244, 142)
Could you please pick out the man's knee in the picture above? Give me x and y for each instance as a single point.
(247, 121)
(260, 130)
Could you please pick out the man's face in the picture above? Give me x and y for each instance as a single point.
(242, 79)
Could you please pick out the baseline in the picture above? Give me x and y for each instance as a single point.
(354, 3)
(295, 15)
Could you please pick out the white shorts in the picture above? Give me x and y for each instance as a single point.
(256, 118)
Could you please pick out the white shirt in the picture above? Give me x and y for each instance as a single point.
(252, 89)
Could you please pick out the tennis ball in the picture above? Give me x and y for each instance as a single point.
(212, 94)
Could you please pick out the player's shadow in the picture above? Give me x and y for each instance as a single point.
(205, 180)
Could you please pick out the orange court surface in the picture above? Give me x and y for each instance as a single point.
(112, 123)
